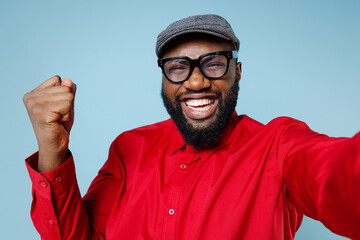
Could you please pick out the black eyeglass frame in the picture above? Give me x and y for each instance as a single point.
(196, 62)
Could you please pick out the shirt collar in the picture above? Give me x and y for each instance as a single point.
(178, 141)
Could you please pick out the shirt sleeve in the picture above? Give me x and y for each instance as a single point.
(322, 177)
(59, 212)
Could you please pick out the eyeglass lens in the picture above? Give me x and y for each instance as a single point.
(213, 66)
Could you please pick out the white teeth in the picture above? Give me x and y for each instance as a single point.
(195, 104)
(201, 109)
(198, 102)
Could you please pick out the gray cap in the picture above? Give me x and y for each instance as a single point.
(208, 24)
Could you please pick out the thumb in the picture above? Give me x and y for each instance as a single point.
(68, 83)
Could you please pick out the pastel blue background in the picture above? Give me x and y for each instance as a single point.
(300, 59)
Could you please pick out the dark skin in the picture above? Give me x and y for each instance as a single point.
(51, 105)
(51, 110)
(193, 48)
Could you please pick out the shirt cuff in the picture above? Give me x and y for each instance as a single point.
(53, 183)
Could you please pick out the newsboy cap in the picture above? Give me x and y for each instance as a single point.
(209, 24)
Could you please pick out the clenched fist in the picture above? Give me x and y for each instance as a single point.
(51, 110)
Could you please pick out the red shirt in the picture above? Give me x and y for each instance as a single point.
(255, 184)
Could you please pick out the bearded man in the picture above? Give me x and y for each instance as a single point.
(206, 173)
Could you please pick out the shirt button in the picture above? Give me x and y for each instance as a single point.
(43, 184)
(171, 211)
(182, 166)
(58, 179)
(51, 222)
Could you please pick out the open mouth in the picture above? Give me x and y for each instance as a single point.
(201, 105)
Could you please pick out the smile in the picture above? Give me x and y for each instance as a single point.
(201, 105)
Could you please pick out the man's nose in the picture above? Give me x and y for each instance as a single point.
(197, 81)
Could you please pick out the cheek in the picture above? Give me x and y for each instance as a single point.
(171, 90)
(223, 86)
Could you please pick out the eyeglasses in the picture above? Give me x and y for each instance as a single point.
(212, 65)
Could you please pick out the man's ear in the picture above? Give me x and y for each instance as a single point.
(238, 71)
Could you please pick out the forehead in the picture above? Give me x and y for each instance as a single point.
(194, 45)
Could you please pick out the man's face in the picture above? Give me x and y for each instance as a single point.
(199, 106)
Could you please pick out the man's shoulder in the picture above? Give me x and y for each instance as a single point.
(278, 122)
(155, 126)
(154, 130)
(166, 125)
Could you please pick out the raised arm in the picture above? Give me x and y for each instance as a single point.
(51, 110)
(58, 211)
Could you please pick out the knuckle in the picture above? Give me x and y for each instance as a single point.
(68, 97)
(71, 97)
(25, 98)
(56, 79)
(68, 104)
(28, 97)
(29, 101)
(65, 89)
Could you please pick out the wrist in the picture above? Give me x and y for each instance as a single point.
(49, 160)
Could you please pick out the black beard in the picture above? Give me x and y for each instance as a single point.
(202, 138)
